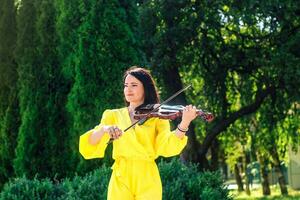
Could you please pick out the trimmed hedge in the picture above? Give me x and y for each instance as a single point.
(179, 182)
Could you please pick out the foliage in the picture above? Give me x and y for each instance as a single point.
(26, 59)
(61, 66)
(41, 93)
(236, 54)
(105, 48)
(179, 182)
(9, 110)
(185, 182)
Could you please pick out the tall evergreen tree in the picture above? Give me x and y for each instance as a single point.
(71, 14)
(107, 46)
(42, 94)
(9, 117)
(53, 89)
(27, 69)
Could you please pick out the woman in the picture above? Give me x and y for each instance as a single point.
(135, 174)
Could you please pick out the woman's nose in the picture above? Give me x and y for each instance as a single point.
(128, 89)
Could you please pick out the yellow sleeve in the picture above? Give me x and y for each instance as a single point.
(89, 151)
(167, 143)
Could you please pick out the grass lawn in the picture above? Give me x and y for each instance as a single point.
(256, 194)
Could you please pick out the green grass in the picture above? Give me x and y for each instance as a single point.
(256, 194)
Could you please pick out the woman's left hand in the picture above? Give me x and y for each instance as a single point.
(189, 113)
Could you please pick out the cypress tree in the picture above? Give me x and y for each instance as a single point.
(71, 14)
(53, 90)
(26, 51)
(107, 46)
(41, 133)
(9, 117)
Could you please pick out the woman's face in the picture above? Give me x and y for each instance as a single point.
(133, 90)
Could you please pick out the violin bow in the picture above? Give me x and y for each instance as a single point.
(143, 119)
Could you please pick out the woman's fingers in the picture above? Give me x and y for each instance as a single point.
(111, 132)
(114, 132)
(118, 132)
(190, 112)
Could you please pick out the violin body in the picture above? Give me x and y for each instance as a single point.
(167, 112)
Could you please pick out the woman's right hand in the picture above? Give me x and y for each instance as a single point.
(113, 131)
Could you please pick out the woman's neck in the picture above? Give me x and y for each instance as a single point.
(132, 106)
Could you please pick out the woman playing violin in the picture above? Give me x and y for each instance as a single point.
(135, 174)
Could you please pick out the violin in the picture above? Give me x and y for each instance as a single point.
(167, 112)
(164, 111)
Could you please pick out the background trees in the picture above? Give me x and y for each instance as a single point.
(9, 109)
(238, 55)
(106, 46)
(40, 85)
(62, 63)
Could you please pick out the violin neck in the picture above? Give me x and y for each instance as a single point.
(178, 107)
(175, 107)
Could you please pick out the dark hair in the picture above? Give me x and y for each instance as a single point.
(150, 90)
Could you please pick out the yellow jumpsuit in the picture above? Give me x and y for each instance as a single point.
(135, 174)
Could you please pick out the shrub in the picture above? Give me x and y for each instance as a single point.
(92, 186)
(25, 189)
(179, 182)
(186, 182)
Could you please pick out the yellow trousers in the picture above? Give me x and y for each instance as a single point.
(134, 180)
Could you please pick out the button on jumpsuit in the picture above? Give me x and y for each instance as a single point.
(135, 174)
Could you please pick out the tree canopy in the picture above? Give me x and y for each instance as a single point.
(61, 66)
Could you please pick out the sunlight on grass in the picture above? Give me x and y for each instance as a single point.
(256, 194)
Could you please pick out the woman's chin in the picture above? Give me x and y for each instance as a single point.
(129, 99)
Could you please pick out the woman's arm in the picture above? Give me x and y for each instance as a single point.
(183, 129)
(188, 114)
(93, 143)
(97, 134)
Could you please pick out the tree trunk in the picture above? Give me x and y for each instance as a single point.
(264, 175)
(279, 172)
(220, 124)
(238, 178)
(214, 149)
(190, 153)
(247, 173)
(196, 152)
(224, 166)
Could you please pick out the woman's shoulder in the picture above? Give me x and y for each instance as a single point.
(113, 114)
(114, 111)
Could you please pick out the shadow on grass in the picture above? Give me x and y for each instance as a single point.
(272, 198)
(256, 194)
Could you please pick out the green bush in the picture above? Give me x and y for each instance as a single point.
(22, 188)
(179, 182)
(186, 182)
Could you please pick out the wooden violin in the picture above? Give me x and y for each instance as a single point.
(164, 111)
(167, 112)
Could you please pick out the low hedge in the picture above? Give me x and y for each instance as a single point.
(179, 182)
